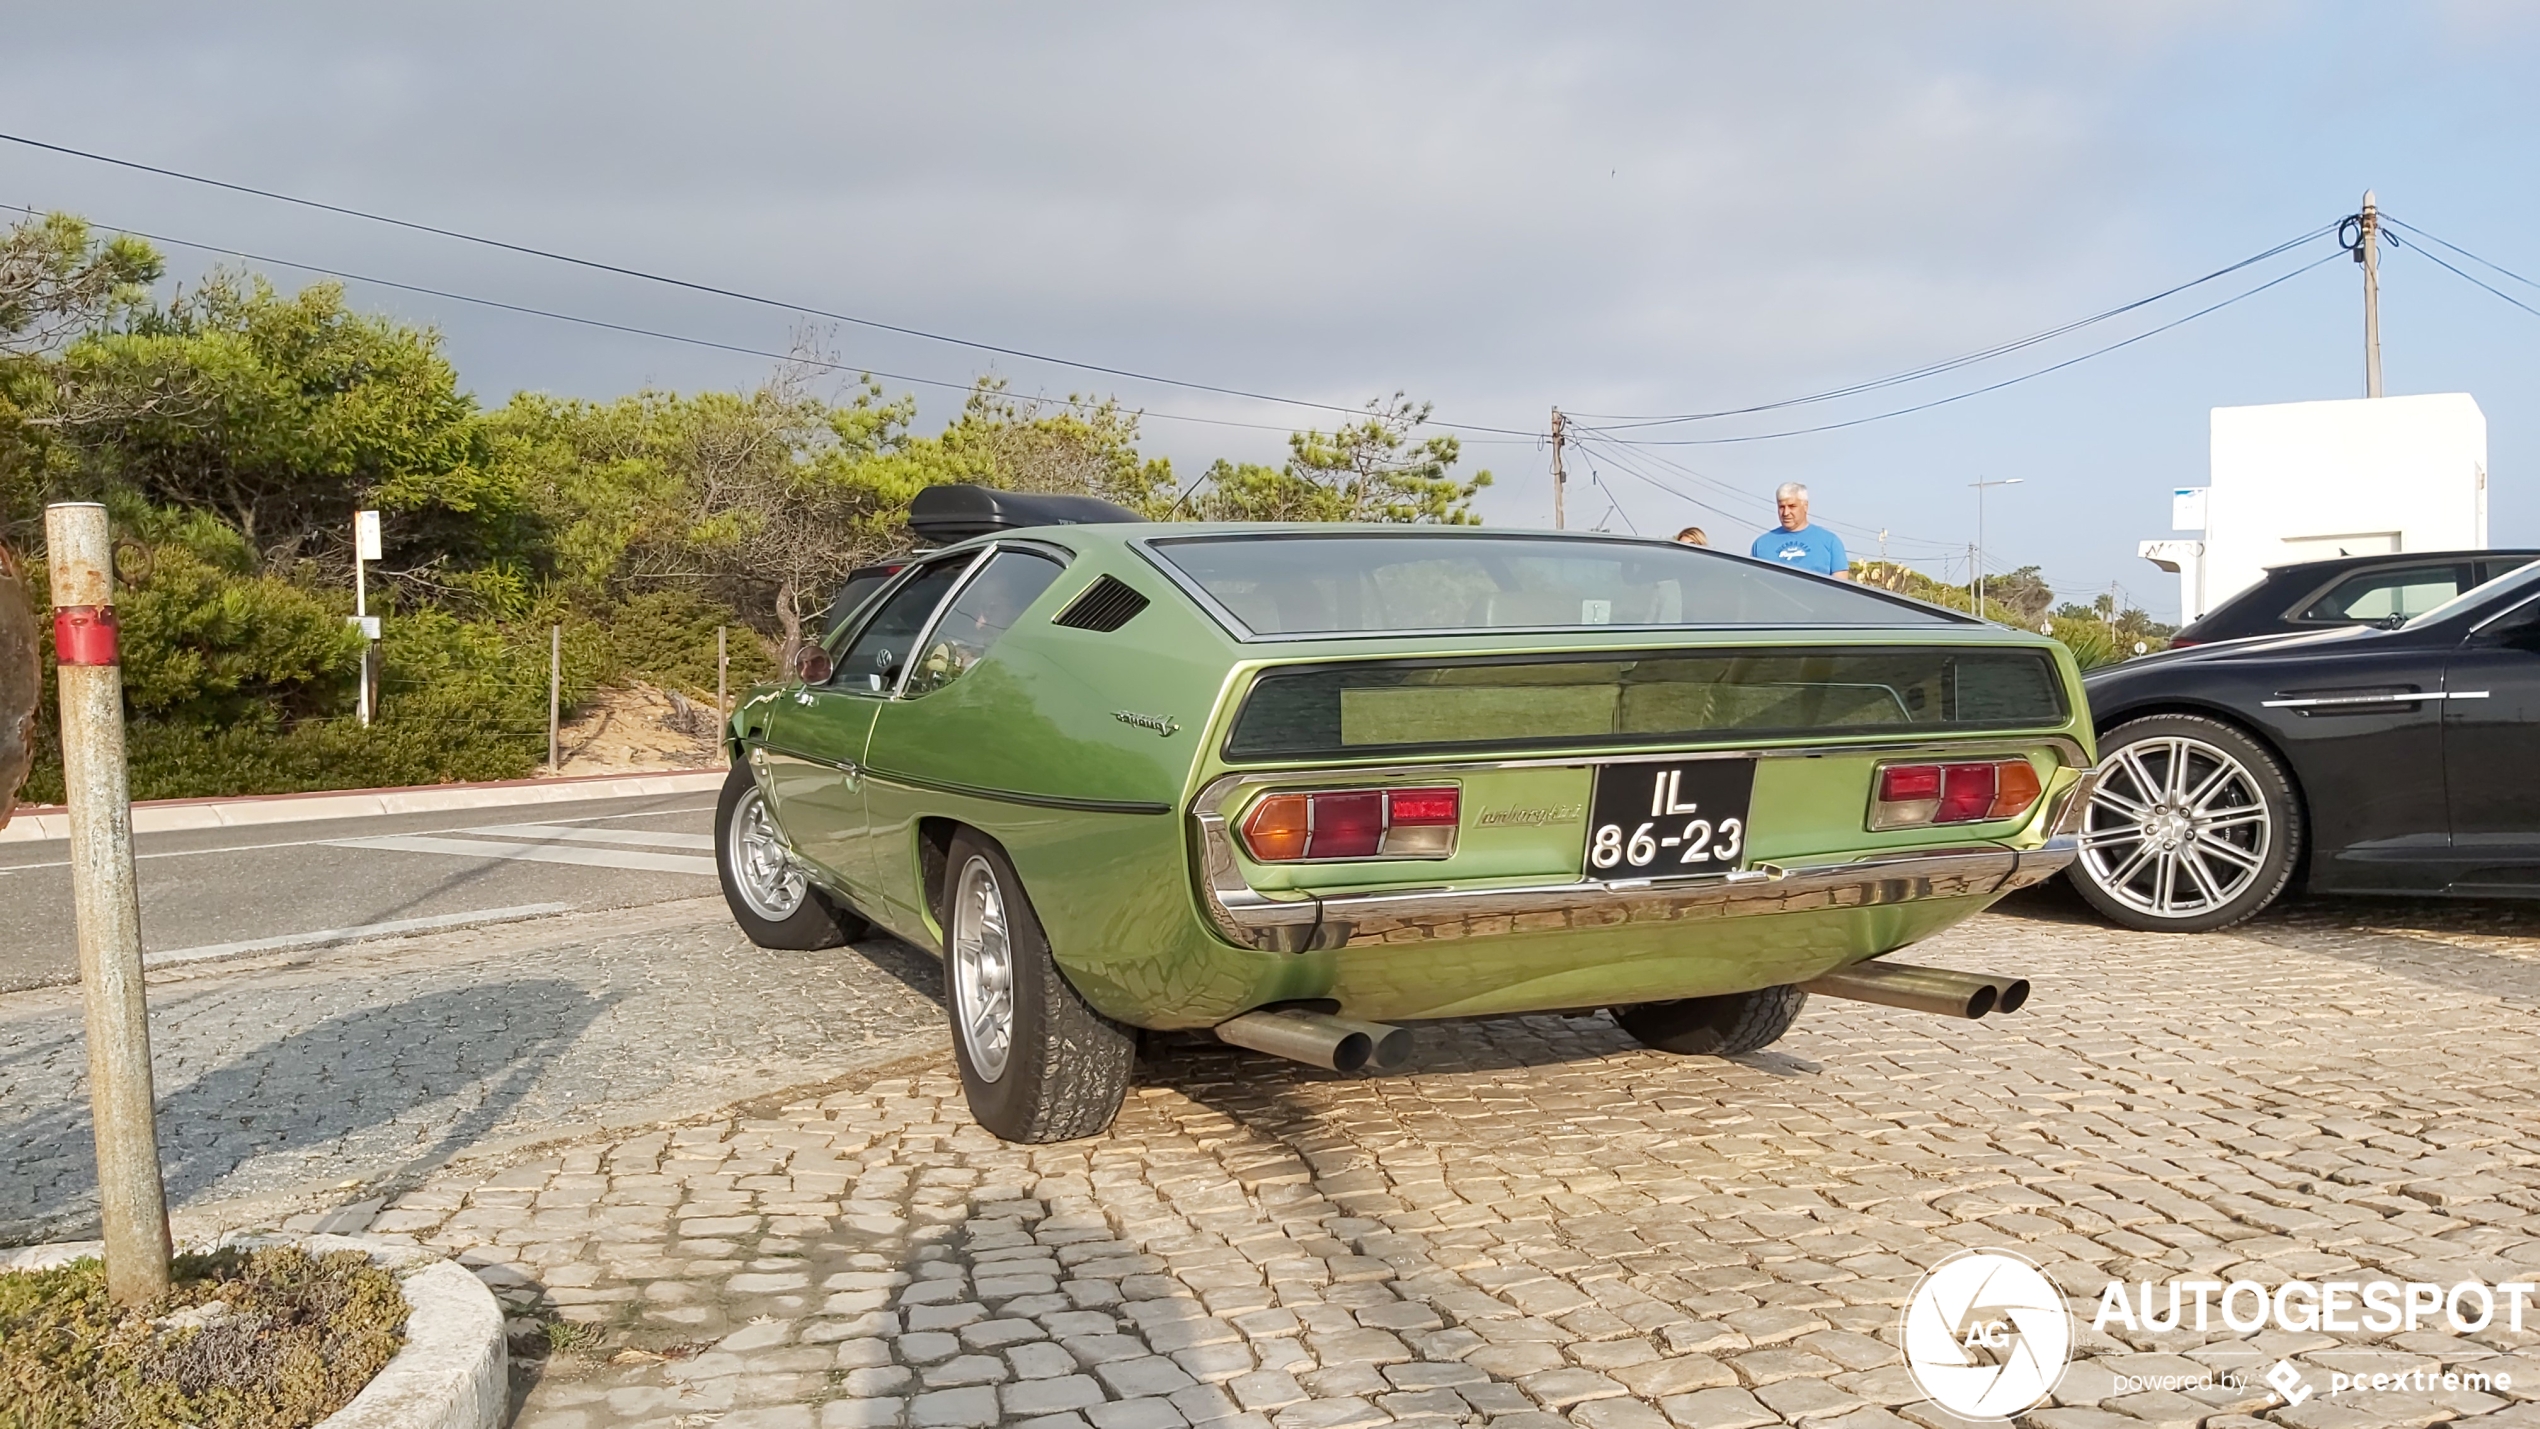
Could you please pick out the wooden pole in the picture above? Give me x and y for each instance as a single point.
(555, 698)
(722, 686)
(131, 1199)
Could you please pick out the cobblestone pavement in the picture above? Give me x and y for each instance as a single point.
(1539, 1222)
(291, 1075)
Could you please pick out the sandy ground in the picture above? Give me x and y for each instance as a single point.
(640, 729)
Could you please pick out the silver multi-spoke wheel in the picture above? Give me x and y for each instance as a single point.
(2177, 829)
(761, 868)
(982, 969)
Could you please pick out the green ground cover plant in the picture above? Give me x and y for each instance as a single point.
(266, 1339)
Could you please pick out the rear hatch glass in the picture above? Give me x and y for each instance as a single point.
(1662, 697)
(1288, 585)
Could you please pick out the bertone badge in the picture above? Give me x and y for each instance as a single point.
(1161, 724)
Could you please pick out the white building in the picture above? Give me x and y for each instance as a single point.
(2305, 481)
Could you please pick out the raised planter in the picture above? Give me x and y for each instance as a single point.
(453, 1371)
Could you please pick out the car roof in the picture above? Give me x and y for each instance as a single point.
(2332, 564)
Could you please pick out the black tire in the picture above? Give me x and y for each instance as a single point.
(1065, 1066)
(1725, 1026)
(2236, 848)
(812, 921)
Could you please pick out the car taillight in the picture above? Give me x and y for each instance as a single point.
(1353, 823)
(1908, 795)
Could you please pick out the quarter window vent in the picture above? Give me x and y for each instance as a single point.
(1106, 605)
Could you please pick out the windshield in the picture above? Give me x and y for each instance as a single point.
(2503, 591)
(1349, 583)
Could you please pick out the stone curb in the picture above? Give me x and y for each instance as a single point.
(36, 822)
(454, 1370)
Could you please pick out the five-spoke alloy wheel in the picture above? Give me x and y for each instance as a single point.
(1038, 1063)
(768, 892)
(2193, 826)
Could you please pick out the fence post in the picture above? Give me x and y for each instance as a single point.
(555, 697)
(131, 1199)
(722, 687)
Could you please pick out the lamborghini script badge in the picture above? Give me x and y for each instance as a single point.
(1161, 724)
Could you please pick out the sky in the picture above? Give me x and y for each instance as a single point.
(1624, 210)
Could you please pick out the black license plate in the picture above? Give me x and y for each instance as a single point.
(1669, 820)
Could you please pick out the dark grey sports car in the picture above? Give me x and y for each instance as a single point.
(2361, 760)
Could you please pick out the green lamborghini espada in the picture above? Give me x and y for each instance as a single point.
(1298, 784)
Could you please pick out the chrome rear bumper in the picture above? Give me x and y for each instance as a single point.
(1298, 924)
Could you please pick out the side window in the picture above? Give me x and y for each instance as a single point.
(2381, 595)
(872, 664)
(984, 610)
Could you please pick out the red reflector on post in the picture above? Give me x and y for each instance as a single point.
(84, 634)
(1422, 807)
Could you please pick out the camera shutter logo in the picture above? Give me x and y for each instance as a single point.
(1987, 1334)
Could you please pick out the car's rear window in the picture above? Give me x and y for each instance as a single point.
(1314, 584)
(1662, 697)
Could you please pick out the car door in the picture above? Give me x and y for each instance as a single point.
(2360, 716)
(2491, 750)
(907, 761)
(816, 741)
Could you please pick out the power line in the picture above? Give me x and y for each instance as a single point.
(1642, 452)
(605, 325)
(1989, 387)
(1079, 403)
(711, 289)
(2437, 260)
(2499, 267)
(1952, 364)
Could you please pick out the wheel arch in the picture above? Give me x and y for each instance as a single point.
(2103, 724)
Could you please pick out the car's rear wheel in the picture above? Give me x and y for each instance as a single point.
(769, 895)
(2193, 826)
(1724, 1026)
(1038, 1063)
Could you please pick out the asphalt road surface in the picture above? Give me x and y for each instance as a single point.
(205, 892)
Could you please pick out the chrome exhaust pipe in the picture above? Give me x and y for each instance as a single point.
(1319, 1040)
(1935, 990)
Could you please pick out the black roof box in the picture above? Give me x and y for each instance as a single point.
(945, 514)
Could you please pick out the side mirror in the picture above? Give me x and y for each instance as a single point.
(812, 665)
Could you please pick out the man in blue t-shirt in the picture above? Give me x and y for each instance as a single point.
(1796, 543)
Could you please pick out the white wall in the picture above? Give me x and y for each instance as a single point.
(2301, 481)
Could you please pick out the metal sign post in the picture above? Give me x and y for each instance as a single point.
(365, 548)
(131, 1199)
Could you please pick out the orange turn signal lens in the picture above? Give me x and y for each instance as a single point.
(1276, 829)
(2015, 788)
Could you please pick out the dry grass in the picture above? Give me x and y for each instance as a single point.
(271, 1339)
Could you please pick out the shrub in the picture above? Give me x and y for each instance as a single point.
(295, 1338)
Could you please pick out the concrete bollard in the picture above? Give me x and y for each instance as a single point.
(132, 1201)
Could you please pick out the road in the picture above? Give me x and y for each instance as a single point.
(205, 891)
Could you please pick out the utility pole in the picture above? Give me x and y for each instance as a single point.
(1560, 433)
(2368, 254)
(1978, 557)
(131, 1198)
(722, 684)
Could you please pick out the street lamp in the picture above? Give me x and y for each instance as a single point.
(1979, 577)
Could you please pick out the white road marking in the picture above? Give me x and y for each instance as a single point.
(646, 838)
(314, 843)
(536, 853)
(324, 936)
